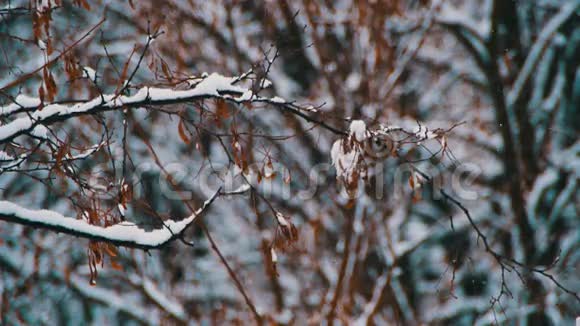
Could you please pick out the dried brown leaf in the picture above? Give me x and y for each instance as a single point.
(181, 129)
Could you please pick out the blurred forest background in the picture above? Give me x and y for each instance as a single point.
(504, 249)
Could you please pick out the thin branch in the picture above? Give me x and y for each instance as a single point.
(507, 264)
(232, 274)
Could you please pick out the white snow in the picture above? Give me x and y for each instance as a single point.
(23, 157)
(424, 133)
(90, 73)
(40, 131)
(346, 159)
(46, 5)
(193, 80)
(21, 101)
(122, 209)
(87, 152)
(277, 99)
(246, 96)
(210, 86)
(121, 232)
(41, 44)
(242, 189)
(353, 81)
(266, 83)
(358, 128)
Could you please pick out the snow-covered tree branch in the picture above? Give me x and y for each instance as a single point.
(125, 234)
(367, 163)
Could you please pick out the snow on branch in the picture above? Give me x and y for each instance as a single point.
(11, 163)
(566, 12)
(124, 234)
(354, 154)
(21, 103)
(209, 86)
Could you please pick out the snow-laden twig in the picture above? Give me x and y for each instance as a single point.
(9, 163)
(213, 86)
(124, 234)
(20, 103)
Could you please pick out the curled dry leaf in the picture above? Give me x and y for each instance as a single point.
(182, 130)
(268, 170)
(166, 71)
(221, 111)
(286, 228)
(110, 249)
(116, 266)
(287, 177)
(348, 156)
(416, 181)
(240, 156)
